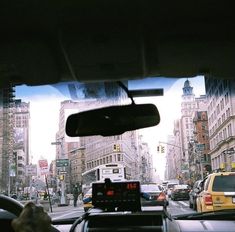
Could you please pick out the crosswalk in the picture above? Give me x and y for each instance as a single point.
(179, 207)
(179, 203)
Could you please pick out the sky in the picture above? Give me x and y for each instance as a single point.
(44, 113)
(170, 110)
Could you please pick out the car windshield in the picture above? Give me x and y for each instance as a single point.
(224, 184)
(181, 187)
(150, 188)
(171, 185)
(41, 158)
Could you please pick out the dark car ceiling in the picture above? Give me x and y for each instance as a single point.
(45, 41)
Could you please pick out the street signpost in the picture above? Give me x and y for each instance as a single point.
(62, 162)
(31, 170)
(43, 165)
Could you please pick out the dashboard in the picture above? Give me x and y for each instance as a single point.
(134, 221)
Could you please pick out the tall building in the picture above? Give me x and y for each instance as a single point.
(6, 138)
(221, 122)
(184, 134)
(21, 143)
(199, 158)
(174, 153)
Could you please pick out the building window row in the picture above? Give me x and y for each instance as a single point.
(219, 121)
(105, 160)
(222, 135)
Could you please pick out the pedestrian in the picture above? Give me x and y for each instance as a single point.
(75, 196)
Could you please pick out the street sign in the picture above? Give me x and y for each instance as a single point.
(62, 162)
(200, 147)
(43, 165)
(62, 172)
(31, 170)
(56, 143)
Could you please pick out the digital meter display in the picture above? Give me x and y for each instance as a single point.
(116, 195)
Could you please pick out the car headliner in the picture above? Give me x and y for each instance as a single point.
(46, 42)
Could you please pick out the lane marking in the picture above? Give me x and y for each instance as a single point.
(63, 215)
(184, 203)
(174, 203)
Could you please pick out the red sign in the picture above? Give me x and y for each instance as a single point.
(43, 165)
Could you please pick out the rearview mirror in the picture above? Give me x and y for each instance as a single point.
(113, 120)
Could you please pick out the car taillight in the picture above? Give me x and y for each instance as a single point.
(208, 199)
(161, 197)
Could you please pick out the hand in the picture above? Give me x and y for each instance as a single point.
(32, 218)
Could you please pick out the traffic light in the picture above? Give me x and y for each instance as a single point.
(162, 149)
(61, 177)
(158, 148)
(118, 147)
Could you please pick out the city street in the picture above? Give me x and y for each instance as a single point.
(174, 208)
(179, 207)
(66, 212)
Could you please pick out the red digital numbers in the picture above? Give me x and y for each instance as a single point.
(132, 186)
(110, 193)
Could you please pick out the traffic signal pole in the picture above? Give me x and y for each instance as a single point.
(62, 199)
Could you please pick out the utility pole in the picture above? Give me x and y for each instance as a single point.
(61, 170)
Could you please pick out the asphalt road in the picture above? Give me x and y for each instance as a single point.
(179, 207)
(174, 208)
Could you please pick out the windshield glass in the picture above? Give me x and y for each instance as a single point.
(150, 188)
(224, 184)
(188, 144)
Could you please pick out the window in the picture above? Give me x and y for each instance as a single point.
(20, 173)
(225, 133)
(229, 130)
(226, 98)
(224, 183)
(206, 183)
(228, 113)
(218, 110)
(223, 117)
(221, 136)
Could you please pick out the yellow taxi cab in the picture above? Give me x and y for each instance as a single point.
(87, 200)
(217, 192)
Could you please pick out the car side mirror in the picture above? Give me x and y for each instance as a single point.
(197, 190)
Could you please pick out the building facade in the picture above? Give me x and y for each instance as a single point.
(181, 149)
(21, 142)
(199, 158)
(6, 137)
(221, 122)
